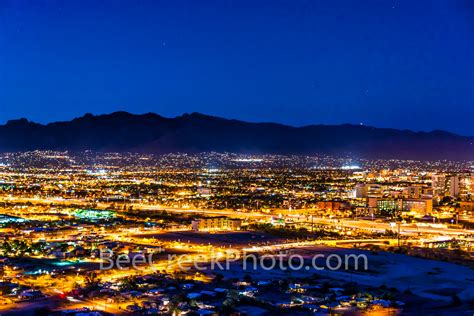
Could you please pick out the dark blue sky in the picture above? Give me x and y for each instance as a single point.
(403, 64)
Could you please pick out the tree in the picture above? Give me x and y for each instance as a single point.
(5, 288)
(91, 280)
(129, 284)
(247, 278)
(218, 278)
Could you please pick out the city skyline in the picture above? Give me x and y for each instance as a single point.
(236, 157)
(218, 233)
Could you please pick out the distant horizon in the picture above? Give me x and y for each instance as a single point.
(391, 64)
(231, 118)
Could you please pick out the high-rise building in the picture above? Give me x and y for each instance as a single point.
(453, 185)
(361, 190)
(466, 186)
(438, 183)
(387, 206)
(375, 190)
(413, 192)
(418, 206)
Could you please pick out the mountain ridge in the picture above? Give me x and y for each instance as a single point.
(197, 132)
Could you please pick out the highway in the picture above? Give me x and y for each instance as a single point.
(371, 226)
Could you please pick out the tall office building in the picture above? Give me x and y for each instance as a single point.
(361, 190)
(438, 183)
(413, 192)
(453, 185)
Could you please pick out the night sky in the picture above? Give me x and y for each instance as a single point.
(402, 64)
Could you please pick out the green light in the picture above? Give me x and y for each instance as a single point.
(91, 214)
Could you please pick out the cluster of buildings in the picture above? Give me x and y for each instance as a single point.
(59, 211)
(421, 198)
(323, 185)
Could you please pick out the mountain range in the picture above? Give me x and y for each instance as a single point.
(191, 133)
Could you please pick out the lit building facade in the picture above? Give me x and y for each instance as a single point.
(216, 224)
